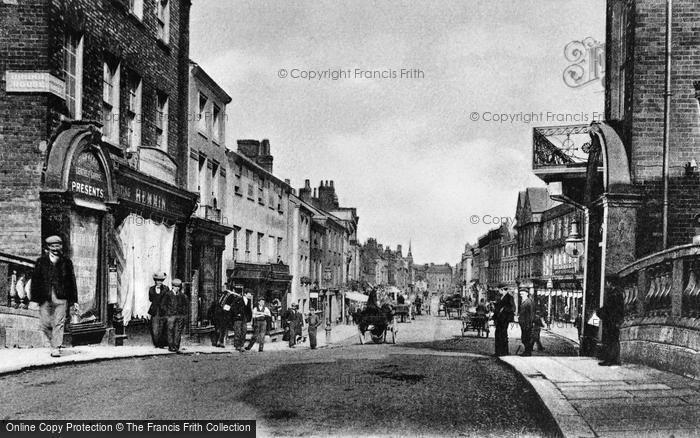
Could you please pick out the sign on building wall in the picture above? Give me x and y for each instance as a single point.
(34, 82)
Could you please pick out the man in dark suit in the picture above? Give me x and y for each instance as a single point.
(313, 322)
(238, 318)
(612, 314)
(159, 334)
(222, 318)
(525, 320)
(503, 313)
(175, 309)
(55, 290)
(295, 322)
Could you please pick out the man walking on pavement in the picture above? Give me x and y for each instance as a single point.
(222, 318)
(525, 320)
(156, 293)
(175, 308)
(238, 318)
(612, 314)
(55, 290)
(314, 323)
(503, 313)
(260, 315)
(295, 322)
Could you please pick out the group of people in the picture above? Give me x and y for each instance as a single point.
(529, 320)
(169, 309)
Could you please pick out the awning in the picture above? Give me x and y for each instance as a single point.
(356, 296)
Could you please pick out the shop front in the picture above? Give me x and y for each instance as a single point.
(271, 281)
(77, 203)
(150, 235)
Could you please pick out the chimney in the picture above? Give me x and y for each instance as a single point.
(249, 148)
(305, 192)
(264, 160)
(314, 193)
(399, 250)
(287, 181)
(331, 183)
(307, 184)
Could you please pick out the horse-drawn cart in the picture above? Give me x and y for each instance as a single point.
(379, 322)
(475, 321)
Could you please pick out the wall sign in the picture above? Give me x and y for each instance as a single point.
(87, 178)
(34, 82)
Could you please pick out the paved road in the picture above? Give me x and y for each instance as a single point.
(432, 383)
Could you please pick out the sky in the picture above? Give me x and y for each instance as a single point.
(423, 153)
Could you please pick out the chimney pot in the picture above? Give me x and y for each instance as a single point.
(331, 183)
(287, 181)
(307, 184)
(314, 192)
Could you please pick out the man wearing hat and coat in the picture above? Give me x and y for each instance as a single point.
(159, 334)
(526, 318)
(175, 308)
(238, 318)
(295, 322)
(54, 289)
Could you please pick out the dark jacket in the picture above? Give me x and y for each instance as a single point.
(504, 309)
(295, 321)
(613, 311)
(526, 314)
(156, 308)
(238, 310)
(314, 322)
(174, 305)
(64, 280)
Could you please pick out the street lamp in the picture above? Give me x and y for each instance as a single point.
(550, 286)
(574, 242)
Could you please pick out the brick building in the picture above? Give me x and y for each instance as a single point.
(639, 184)
(93, 111)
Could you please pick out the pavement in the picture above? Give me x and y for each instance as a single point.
(588, 400)
(13, 360)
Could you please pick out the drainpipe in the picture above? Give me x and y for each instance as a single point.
(667, 118)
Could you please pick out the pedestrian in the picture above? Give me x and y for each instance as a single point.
(503, 314)
(54, 289)
(314, 322)
(482, 321)
(525, 320)
(222, 318)
(612, 314)
(175, 308)
(159, 334)
(537, 326)
(238, 318)
(294, 322)
(260, 315)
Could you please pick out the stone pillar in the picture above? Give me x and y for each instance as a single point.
(677, 287)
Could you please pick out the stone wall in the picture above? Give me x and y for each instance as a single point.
(20, 328)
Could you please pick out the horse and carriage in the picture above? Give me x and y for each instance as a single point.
(473, 318)
(379, 321)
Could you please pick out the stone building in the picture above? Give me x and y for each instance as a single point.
(93, 125)
(257, 250)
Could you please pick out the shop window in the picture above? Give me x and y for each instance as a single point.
(133, 113)
(110, 101)
(163, 19)
(162, 121)
(73, 72)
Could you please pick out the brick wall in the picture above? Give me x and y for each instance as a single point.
(643, 128)
(31, 38)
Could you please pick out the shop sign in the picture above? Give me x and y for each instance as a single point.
(34, 82)
(87, 178)
(147, 197)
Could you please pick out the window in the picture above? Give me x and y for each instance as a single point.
(261, 199)
(202, 176)
(271, 196)
(216, 124)
(235, 243)
(163, 19)
(271, 249)
(162, 121)
(110, 101)
(214, 185)
(136, 8)
(73, 71)
(250, 191)
(261, 236)
(237, 185)
(278, 251)
(133, 113)
(202, 115)
(248, 238)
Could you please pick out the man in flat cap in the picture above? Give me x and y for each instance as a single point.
(175, 308)
(238, 318)
(158, 320)
(55, 290)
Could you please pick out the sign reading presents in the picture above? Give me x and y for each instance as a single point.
(87, 177)
(34, 82)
